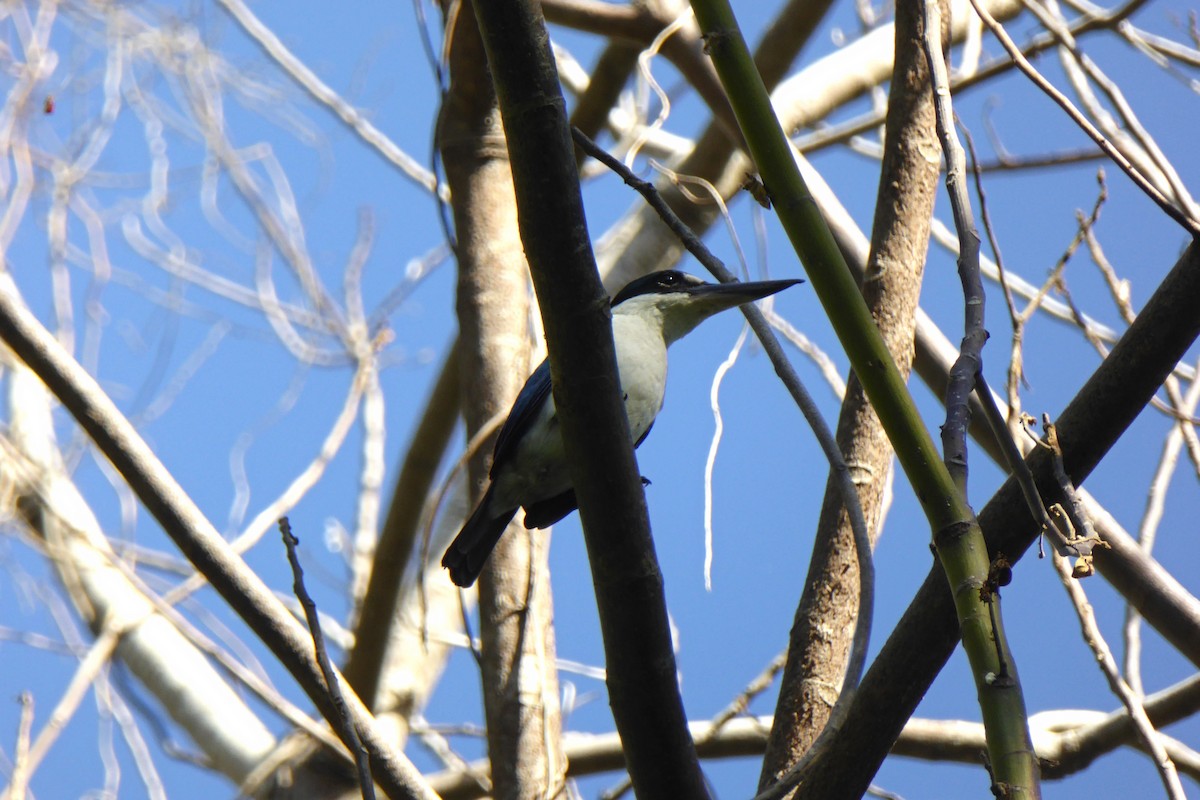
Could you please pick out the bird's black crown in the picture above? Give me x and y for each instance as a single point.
(665, 282)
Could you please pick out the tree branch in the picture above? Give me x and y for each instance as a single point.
(524, 726)
(928, 632)
(575, 309)
(891, 285)
(344, 724)
(1066, 741)
(191, 531)
(397, 540)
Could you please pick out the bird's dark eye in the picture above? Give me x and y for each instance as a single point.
(668, 279)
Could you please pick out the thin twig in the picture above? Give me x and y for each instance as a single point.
(441, 748)
(1151, 518)
(1100, 19)
(274, 49)
(738, 706)
(1131, 136)
(1015, 461)
(1027, 291)
(1183, 407)
(1108, 665)
(1081, 532)
(21, 768)
(85, 674)
(969, 364)
(309, 477)
(1192, 226)
(138, 748)
(1003, 430)
(808, 408)
(345, 721)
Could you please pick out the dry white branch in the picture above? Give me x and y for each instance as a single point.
(639, 243)
(1184, 217)
(187, 525)
(21, 768)
(154, 649)
(322, 93)
(1058, 736)
(1147, 736)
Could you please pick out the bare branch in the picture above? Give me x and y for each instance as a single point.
(1066, 742)
(1184, 218)
(1108, 665)
(308, 80)
(890, 284)
(575, 309)
(344, 723)
(187, 526)
(397, 541)
(515, 604)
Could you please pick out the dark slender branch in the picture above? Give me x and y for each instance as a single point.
(1082, 533)
(928, 632)
(345, 724)
(791, 381)
(970, 358)
(1012, 763)
(1011, 454)
(641, 670)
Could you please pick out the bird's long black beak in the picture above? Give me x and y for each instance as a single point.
(715, 297)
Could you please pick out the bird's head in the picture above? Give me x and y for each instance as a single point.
(683, 301)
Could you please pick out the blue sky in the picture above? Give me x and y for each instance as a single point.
(239, 388)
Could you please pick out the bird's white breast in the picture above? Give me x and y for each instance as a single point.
(538, 468)
(642, 363)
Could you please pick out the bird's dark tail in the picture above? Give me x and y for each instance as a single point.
(470, 549)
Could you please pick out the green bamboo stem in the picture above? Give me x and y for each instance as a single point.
(956, 533)
(831, 278)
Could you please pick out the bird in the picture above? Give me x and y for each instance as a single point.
(529, 464)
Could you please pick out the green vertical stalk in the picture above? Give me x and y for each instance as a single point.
(956, 533)
(831, 278)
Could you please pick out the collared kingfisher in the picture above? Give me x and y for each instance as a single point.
(529, 465)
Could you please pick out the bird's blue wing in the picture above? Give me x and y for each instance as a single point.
(524, 410)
